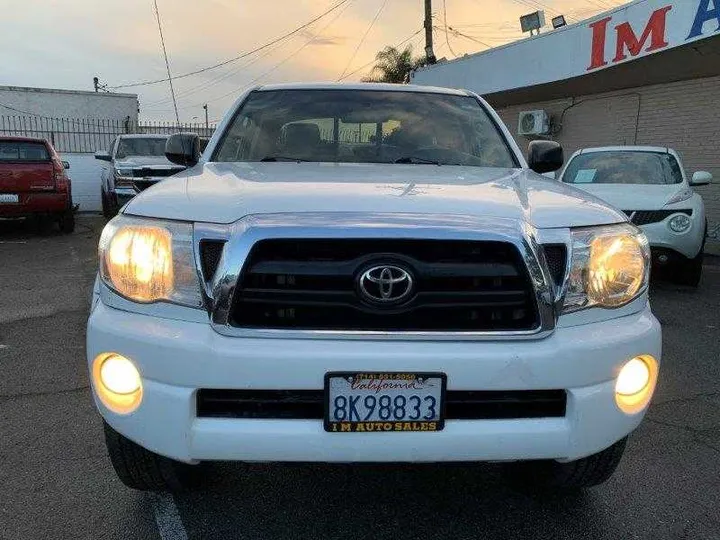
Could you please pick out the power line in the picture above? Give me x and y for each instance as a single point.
(277, 65)
(346, 76)
(460, 34)
(400, 44)
(372, 23)
(167, 63)
(447, 35)
(212, 82)
(239, 57)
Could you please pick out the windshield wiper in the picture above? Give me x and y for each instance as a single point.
(414, 160)
(282, 158)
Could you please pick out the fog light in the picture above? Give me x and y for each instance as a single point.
(117, 382)
(635, 384)
(679, 223)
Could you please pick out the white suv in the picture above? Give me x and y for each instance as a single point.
(369, 273)
(650, 185)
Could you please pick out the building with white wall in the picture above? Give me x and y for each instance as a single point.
(77, 122)
(646, 73)
(55, 103)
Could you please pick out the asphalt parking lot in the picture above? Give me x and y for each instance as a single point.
(56, 480)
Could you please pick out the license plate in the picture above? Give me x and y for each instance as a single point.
(379, 402)
(9, 198)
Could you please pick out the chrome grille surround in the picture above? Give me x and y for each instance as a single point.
(241, 235)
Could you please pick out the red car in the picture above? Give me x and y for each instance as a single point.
(33, 182)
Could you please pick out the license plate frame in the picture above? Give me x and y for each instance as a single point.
(420, 425)
(9, 198)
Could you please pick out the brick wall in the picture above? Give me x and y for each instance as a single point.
(683, 115)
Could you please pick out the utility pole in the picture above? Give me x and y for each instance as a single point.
(429, 53)
(207, 124)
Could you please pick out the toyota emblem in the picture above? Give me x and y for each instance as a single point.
(385, 284)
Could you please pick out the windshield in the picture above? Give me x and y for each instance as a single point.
(623, 168)
(23, 151)
(148, 146)
(364, 126)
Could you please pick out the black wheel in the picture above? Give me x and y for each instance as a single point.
(689, 271)
(108, 209)
(67, 222)
(142, 469)
(583, 473)
(44, 224)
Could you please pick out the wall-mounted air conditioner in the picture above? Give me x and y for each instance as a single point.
(533, 123)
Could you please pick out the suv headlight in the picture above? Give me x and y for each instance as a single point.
(148, 260)
(610, 266)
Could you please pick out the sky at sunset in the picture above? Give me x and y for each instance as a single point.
(63, 43)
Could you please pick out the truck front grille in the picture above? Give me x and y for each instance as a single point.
(309, 404)
(149, 172)
(314, 285)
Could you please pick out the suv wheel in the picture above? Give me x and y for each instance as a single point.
(142, 469)
(107, 210)
(583, 473)
(689, 271)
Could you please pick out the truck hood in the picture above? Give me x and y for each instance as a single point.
(634, 196)
(226, 192)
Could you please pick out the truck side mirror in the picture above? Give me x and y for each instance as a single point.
(102, 155)
(701, 178)
(545, 156)
(183, 149)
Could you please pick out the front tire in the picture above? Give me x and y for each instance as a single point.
(583, 473)
(108, 209)
(689, 271)
(141, 469)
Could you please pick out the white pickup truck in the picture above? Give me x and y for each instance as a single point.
(369, 273)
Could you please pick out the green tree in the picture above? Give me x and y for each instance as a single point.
(394, 66)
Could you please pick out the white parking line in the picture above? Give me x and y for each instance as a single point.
(167, 517)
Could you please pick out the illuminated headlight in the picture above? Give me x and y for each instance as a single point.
(635, 384)
(610, 266)
(679, 223)
(117, 382)
(150, 260)
(124, 172)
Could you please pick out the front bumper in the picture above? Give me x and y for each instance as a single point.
(36, 203)
(176, 358)
(687, 244)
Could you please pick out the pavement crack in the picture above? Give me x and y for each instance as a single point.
(47, 315)
(12, 397)
(695, 434)
(688, 398)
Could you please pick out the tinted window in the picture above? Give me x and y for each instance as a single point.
(361, 126)
(141, 147)
(23, 151)
(623, 168)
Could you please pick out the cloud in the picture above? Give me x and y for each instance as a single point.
(118, 41)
